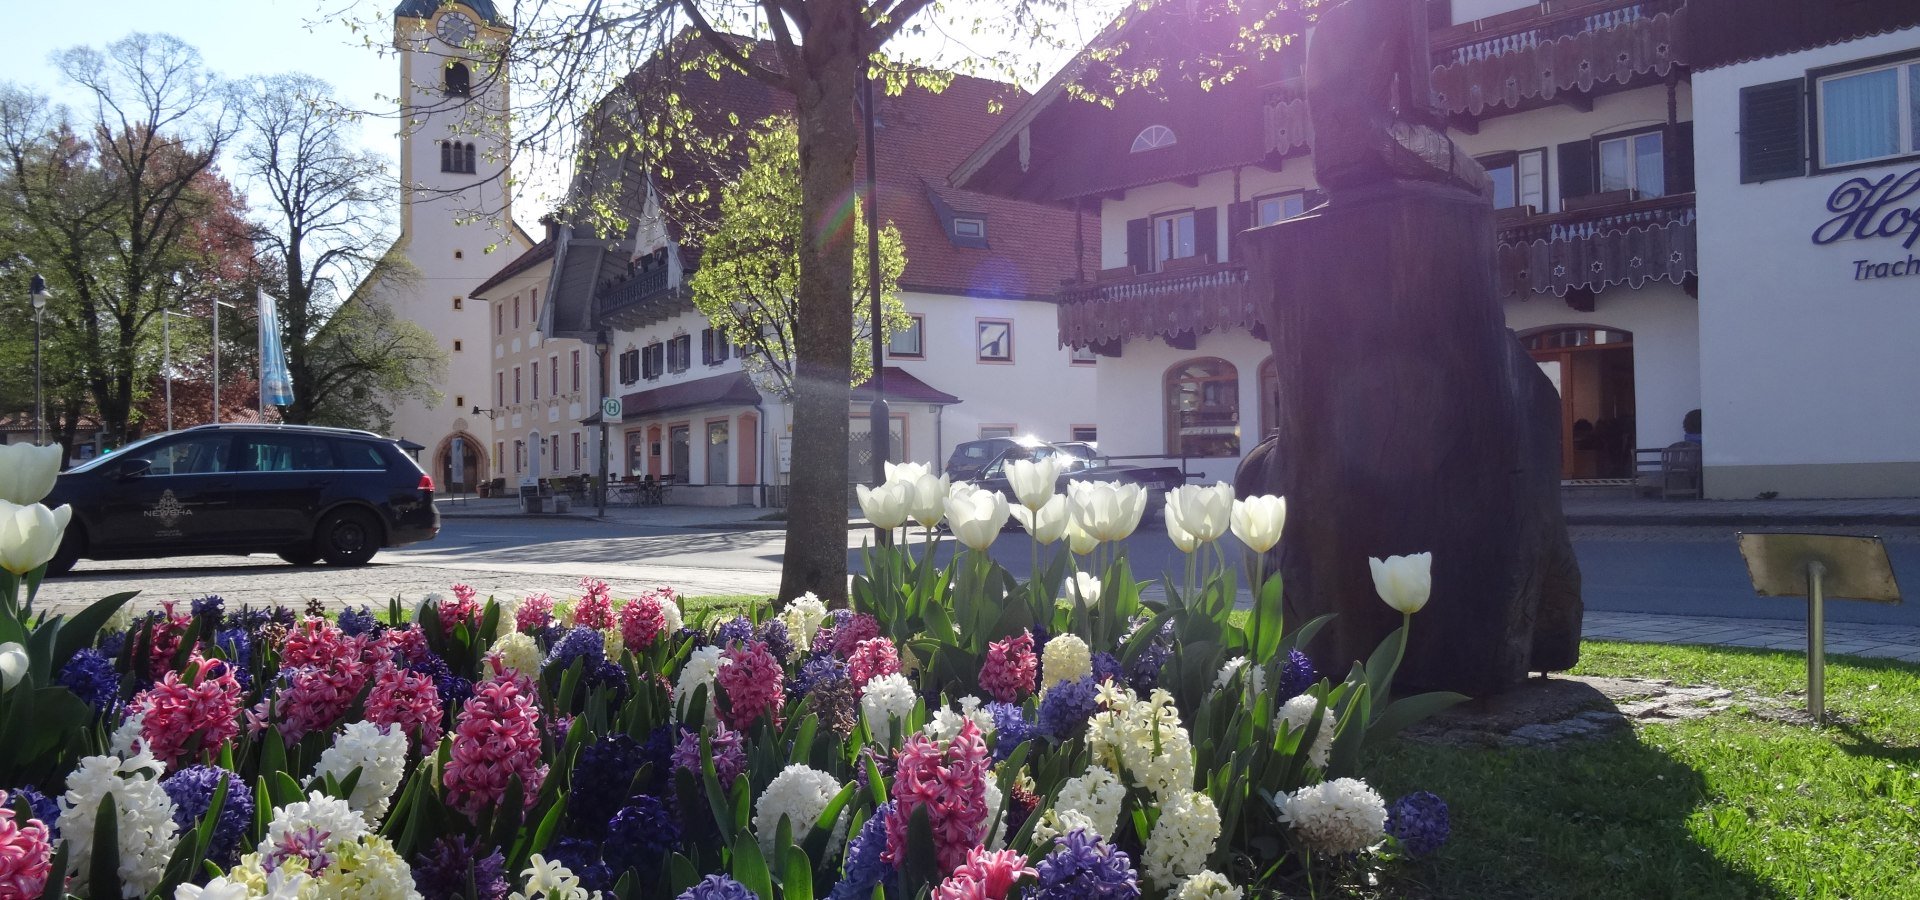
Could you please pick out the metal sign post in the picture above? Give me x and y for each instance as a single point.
(1819, 566)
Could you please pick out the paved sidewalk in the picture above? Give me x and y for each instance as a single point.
(1882, 641)
(1602, 509)
(707, 517)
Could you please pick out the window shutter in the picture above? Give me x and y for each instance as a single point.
(1576, 169)
(706, 346)
(1140, 244)
(1206, 233)
(1680, 159)
(1773, 140)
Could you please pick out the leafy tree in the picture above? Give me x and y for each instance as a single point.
(749, 277)
(322, 231)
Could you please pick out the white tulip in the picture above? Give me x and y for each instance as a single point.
(906, 471)
(1032, 481)
(29, 535)
(13, 664)
(1085, 587)
(927, 499)
(27, 472)
(1404, 581)
(1258, 521)
(977, 517)
(1079, 542)
(884, 506)
(1106, 510)
(1203, 512)
(1183, 540)
(1049, 523)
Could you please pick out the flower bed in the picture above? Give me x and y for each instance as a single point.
(955, 731)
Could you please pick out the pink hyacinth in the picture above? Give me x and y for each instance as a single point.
(496, 738)
(168, 630)
(752, 685)
(317, 696)
(535, 613)
(986, 875)
(1010, 669)
(862, 627)
(871, 659)
(190, 719)
(595, 610)
(408, 701)
(464, 610)
(641, 622)
(400, 647)
(26, 858)
(315, 641)
(951, 782)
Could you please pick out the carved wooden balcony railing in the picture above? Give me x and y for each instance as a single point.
(1167, 304)
(1594, 249)
(1541, 52)
(641, 299)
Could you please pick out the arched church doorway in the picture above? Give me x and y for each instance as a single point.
(458, 464)
(1592, 367)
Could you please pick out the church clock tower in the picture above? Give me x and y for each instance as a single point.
(456, 223)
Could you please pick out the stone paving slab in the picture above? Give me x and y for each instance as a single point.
(1879, 641)
(1586, 509)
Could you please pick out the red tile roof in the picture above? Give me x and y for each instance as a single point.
(540, 253)
(902, 386)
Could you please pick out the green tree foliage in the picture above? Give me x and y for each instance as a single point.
(749, 278)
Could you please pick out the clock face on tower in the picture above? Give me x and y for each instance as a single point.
(456, 29)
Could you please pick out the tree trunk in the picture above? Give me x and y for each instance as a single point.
(816, 548)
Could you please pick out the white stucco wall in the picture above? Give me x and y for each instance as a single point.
(1664, 322)
(1132, 398)
(1808, 373)
(1552, 126)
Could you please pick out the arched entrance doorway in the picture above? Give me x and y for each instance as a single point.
(536, 449)
(472, 463)
(1592, 367)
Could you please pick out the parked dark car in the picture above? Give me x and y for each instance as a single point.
(304, 493)
(1158, 480)
(971, 457)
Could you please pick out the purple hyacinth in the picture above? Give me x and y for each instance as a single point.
(581, 856)
(191, 790)
(603, 774)
(112, 644)
(774, 632)
(882, 761)
(1010, 729)
(640, 836)
(208, 608)
(737, 630)
(581, 643)
(718, 887)
(1106, 667)
(1419, 821)
(816, 671)
(90, 676)
(729, 757)
(446, 869)
(1067, 706)
(45, 808)
(1083, 867)
(356, 622)
(865, 867)
(1299, 675)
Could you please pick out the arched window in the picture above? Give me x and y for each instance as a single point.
(448, 162)
(459, 80)
(1203, 408)
(1153, 137)
(466, 159)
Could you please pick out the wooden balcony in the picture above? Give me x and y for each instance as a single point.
(1175, 305)
(1557, 51)
(640, 299)
(1580, 253)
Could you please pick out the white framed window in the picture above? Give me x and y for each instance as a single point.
(909, 342)
(997, 431)
(995, 337)
(1519, 179)
(1634, 162)
(1083, 356)
(974, 228)
(1172, 237)
(1153, 137)
(1869, 114)
(1268, 210)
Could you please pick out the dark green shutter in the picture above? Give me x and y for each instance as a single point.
(1140, 244)
(1206, 233)
(1773, 137)
(1576, 169)
(1680, 160)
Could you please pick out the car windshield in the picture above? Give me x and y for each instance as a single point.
(123, 452)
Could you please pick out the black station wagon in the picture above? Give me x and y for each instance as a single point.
(302, 492)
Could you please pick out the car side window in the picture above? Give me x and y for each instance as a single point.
(198, 455)
(285, 453)
(358, 455)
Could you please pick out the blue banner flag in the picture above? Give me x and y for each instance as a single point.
(276, 382)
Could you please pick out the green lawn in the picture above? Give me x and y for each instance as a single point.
(1733, 805)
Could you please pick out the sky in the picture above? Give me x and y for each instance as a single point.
(238, 38)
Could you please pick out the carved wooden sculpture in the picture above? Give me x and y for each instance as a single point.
(1411, 419)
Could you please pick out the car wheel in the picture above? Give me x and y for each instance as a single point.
(300, 556)
(348, 537)
(71, 543)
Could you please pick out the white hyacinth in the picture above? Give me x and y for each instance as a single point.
(326, 815)
(125, 742)
(946, 722)
(1182, 839)
(380, 753)
(1207, 884)
(1143, 738)
(801, 794)
(1090, 801)
(1066, 658)
(886, 698)
(551, 880)
(1254, 681)
(802, 618)
(1297, 713)
(670, 609)
(518, 651)
(1335, 817)
(700, 670)
(142, 811)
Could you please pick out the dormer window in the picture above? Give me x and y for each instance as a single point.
(970, 228)
(1153, 137)
(459, 80)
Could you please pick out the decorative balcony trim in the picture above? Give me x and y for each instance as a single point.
(1659, 242)
(1167, 305)
(1519, 66)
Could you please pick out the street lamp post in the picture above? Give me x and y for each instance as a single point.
(879, 424)
(600, 346)
(37, 292)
